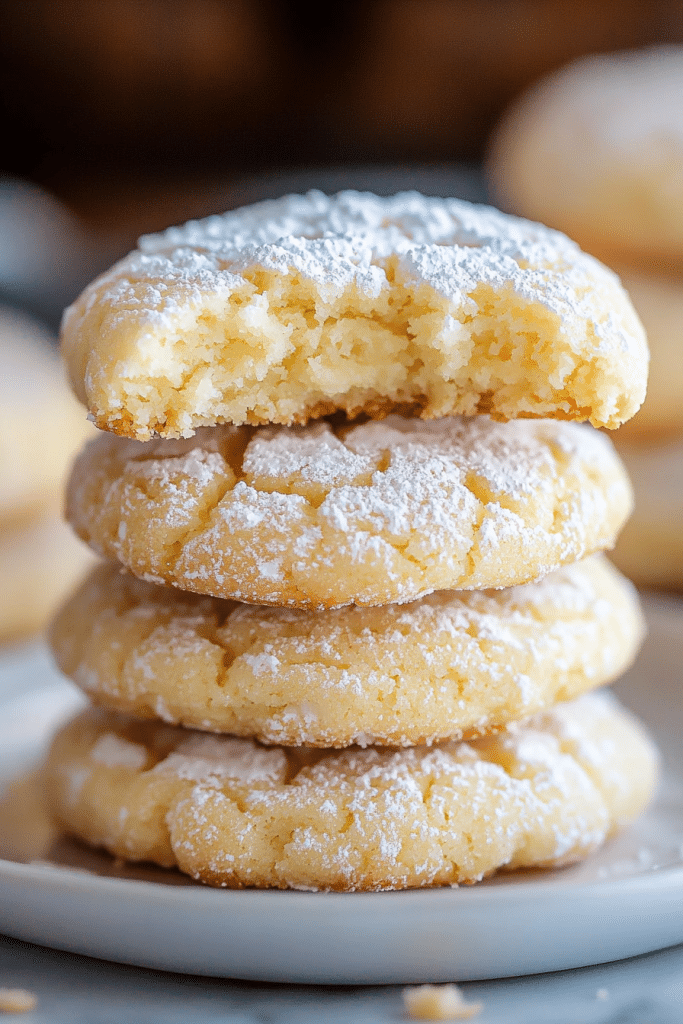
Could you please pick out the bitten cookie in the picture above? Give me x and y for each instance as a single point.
(454, 664)
(373, 514)
(294, 309)
(41, 426)
(650, 550)
(232, 813)
(597, 151)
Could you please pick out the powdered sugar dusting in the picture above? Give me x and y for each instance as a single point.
(312, 454)
(452, 663)
(286, 311)
(202, 758)
(362, 239)
(112, 751)
(373, 818)
(412, 505)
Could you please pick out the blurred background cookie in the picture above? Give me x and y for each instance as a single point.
(40, 562)
(41, 424)
(41, 429)
(122, 118)
(650, 547)
(659, 301)
(596, 150)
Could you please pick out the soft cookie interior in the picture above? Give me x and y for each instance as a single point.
(480, 313)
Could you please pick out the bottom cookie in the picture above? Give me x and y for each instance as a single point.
(232, 813)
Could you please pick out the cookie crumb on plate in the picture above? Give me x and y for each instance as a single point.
(438, 1002)
(16, 1000)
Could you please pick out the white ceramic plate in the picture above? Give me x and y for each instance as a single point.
(628, 899)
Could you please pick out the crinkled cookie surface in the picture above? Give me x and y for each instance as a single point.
(452, 665)
(296, 308)
(381, 512)
(232, 813)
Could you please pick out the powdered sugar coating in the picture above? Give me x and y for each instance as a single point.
(373, 514)
(453, 664)
(543, 793)
(114, 752)
(596, 149)
(295, 308)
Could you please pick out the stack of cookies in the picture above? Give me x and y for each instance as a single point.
(596, 150)
(353, 608)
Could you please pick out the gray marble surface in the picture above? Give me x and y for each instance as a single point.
(77, 990)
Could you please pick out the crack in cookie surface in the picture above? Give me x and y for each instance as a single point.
(454, 664)
(232, 813)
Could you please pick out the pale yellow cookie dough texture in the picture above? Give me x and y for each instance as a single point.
(296, 308)
(232, 813)
(456, 663)
(372, 514)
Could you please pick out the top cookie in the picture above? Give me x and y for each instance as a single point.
(597, 150)
(293, 309)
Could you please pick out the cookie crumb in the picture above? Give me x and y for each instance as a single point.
(17, 1000)
(438, 1002)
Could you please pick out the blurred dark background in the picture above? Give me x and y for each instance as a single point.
(141, 113)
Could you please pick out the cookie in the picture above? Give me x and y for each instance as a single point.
(659, 301)
(454, 664)
(41, 426)
(324, 516)
(596, 150)
(40, 562)
(232, 813)
(650, 549)
(294, 309)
